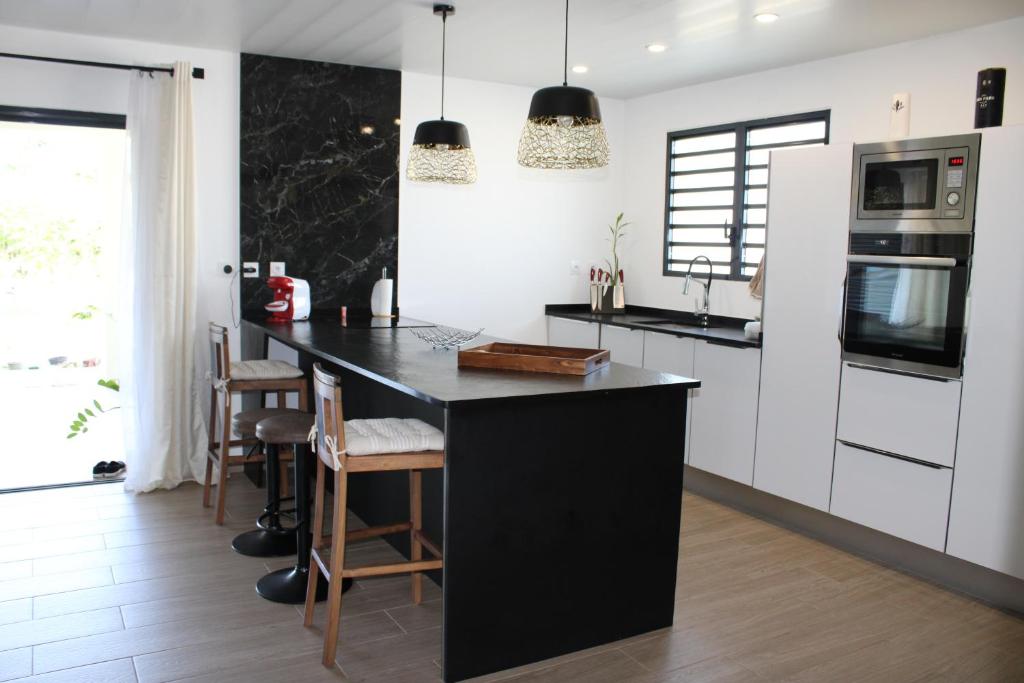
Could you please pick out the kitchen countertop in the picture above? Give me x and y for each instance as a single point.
(394, 357)
(724, 330)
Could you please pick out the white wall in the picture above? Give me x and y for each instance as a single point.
(492, 254)
(56, 86)
(939, 73)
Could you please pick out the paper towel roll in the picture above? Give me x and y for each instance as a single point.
(380, 298)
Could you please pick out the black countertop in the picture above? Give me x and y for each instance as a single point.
(394, 357)
(723, 330)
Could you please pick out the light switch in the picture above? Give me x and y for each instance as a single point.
(276, 268)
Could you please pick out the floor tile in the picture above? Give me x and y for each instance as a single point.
(57, 583)
(38, 631)
(15, 664)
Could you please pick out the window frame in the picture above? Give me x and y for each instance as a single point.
(62, 117)
(739, 187)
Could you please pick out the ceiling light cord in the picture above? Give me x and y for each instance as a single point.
(565, 62)
(444, 40)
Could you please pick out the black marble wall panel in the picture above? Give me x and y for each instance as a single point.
(319, 176)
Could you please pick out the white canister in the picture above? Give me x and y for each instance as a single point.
(381, 297)
(899, 115)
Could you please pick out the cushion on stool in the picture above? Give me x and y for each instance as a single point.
(244, 423)
(391, 435)
(263, 369)
(285, 429)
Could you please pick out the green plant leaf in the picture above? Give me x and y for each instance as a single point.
(89, 412)
(81, 417)
(72, 435)
(98, 406)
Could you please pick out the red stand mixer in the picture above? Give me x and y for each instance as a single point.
(291, 299)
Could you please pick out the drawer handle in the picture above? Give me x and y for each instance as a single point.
(890, 454)
(891, 371)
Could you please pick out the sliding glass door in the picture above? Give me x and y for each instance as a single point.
(60, 213)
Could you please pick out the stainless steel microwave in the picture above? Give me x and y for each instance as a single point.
(923, 185)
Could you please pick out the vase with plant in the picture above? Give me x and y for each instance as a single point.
(608, 292)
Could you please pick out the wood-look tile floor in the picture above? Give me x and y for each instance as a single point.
(99, 585)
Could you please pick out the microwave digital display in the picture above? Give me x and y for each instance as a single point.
(956, 161)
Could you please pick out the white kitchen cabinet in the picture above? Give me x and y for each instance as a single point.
(905, 499)
(911, 416)
(986, 523)
(805, 265)
(625, 345)
(669, 353)
(573, 333)
(723, 419)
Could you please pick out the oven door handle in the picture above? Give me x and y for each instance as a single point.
(842, 312)
(929, 261)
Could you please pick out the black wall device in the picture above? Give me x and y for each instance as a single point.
(988, 106)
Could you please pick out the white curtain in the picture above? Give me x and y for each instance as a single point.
(165, 436)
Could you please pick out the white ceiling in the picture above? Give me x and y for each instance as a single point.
(520, 41)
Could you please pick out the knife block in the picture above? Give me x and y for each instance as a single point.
(608, 298)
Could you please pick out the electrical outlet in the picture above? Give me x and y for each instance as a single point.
(276, 268)
(250, 268)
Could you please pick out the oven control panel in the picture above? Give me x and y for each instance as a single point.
(955, 177)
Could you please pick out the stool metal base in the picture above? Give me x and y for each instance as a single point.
(264, 543)
(289, 586)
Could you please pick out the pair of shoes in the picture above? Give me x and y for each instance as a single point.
(108, 470)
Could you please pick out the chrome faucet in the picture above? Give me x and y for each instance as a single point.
(702, 309)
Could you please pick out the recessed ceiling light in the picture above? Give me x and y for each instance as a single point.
(580, 69)
(766, 17)
(656, 47)
(367, 130)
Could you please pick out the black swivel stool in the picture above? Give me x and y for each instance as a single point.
(289, 585)
(271, 539)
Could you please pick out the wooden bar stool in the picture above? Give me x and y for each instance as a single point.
(228, 378)
(379, 445)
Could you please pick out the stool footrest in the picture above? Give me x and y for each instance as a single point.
(374, 531)
(386, 569)
(427, 543)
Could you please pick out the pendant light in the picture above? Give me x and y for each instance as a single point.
(563, 128)
(440, 149)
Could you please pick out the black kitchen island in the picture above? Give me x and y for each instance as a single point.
(559, 503)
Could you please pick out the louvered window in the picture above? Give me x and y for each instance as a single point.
(717, 191)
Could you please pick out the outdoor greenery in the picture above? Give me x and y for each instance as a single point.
(80, 424)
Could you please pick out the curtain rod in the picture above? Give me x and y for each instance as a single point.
(197, 72)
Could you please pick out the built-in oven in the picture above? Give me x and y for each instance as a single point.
(922, 185)
(905, 302)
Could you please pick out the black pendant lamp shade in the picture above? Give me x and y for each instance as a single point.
(564, 128)
(440, 149)
(441, 132)
(565, 100)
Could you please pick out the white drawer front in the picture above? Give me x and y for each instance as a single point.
(573, 333)
(905, 499)
(900, 414)
(625, 345)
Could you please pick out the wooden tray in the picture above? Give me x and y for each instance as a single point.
(531, 358)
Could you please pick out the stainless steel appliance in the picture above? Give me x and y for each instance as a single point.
(906, 298)
(922, 185)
